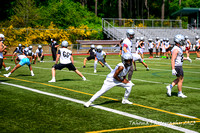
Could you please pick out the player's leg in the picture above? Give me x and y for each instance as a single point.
(84, 62)
(106, 86)
(128, 88)
(130, 73)
(95, 65)
(30, 68)
(101, 63)
(15, 68)
(80, 74)
(108, 66)
(134, 65)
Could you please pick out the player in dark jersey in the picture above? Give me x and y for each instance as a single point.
(91, 51)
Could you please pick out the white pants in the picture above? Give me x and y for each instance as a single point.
(102, 60)
(110, 84)
(140, 50)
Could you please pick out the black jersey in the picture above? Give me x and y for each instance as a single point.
(92, 52)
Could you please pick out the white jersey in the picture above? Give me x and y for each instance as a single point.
(65, 55)
(25, 50)
(167, 44)
(197, 43)
(150, 45)
(137, 43)
(157, 43)
(187, 43)
(121, 74)
(38, 51)
(137, 57)
(128, 44)
(100, 55)
(179, 58)
(20, 57)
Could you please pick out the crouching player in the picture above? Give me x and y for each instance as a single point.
(39, 54)
(117, 77)
(66, 60)
(23, 60)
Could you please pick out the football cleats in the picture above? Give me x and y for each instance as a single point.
(127, 59)
(99, 48)
(64, 44)
(180, 39)
(130, 33)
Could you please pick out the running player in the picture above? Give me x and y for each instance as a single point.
(66, 60)
(91, 57)
(137, 57)
(100, 56)
(23, 59)
(176, 64)
(116, 77)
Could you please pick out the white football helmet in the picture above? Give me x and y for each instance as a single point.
(3, 37)
(29, 53)
(30, 47)
(161, 40)
(92, 46)
(196, 37)
(39, 46)
(142, 39)
(167, 39)
(186, 37)
(126, 57)
(130, 33)
(64, 44)
(157, 38)
(19, 45)
(150, 40)
(137, 38)
(180, 39)
(99, 48)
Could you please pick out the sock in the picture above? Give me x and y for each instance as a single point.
(180, 92)
(171, 86)
(32, 72)
(83, 78)
(53, 78)
(9, 73)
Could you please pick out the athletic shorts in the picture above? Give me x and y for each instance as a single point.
(168, 49)
(160, 49)
(157, 50)
(25, 61)
(60, 66)
(179, 70)
(91, 57)
(1, 63)
(187, 49)
(196, 49)
(151, 50)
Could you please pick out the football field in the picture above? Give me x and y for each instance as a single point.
(31, 104)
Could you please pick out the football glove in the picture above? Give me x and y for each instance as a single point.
(174, 72)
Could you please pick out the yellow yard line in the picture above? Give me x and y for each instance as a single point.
(144, 106)
(131, 128)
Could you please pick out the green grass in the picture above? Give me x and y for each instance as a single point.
(25, 111)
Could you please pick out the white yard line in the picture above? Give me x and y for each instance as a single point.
(105, 109)
(106, 75)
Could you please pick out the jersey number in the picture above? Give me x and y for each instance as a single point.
(66, 54)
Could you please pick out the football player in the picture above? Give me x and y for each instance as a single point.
(151, 45)
(18, 50)
(100, 56)
(188, 45)
(137, 57)
(66, 60)
(197, 47)
(127, 48)
(141, 47)
(39, 54)
(117, 77)
(91, 57)
(20, 60)
(157, 42)
(176, 64)
(167, 47)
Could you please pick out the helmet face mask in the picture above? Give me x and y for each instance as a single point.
(127, 59)
(99, 48)
(179, 39)
(130, 33)
(64, 44)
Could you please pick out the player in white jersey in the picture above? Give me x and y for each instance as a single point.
(39, 54)
(163, 48)
(137, 43)
(66, 60)
(151, 45)
(161, 43)
(127, 48)
(2, 49)
(141, 47)
(197, 47)
(137, 57)
(157, 42)
(168, 48)
(188, 45)
(176, 64)
(117, 77)
(100, 56)
(20, 60)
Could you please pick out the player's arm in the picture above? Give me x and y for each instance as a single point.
(158, 45)
(174, 55)
(189, 43)
(16, 62)
(117, 72)
(125, 48)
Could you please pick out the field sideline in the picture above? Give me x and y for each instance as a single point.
(25, 111)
